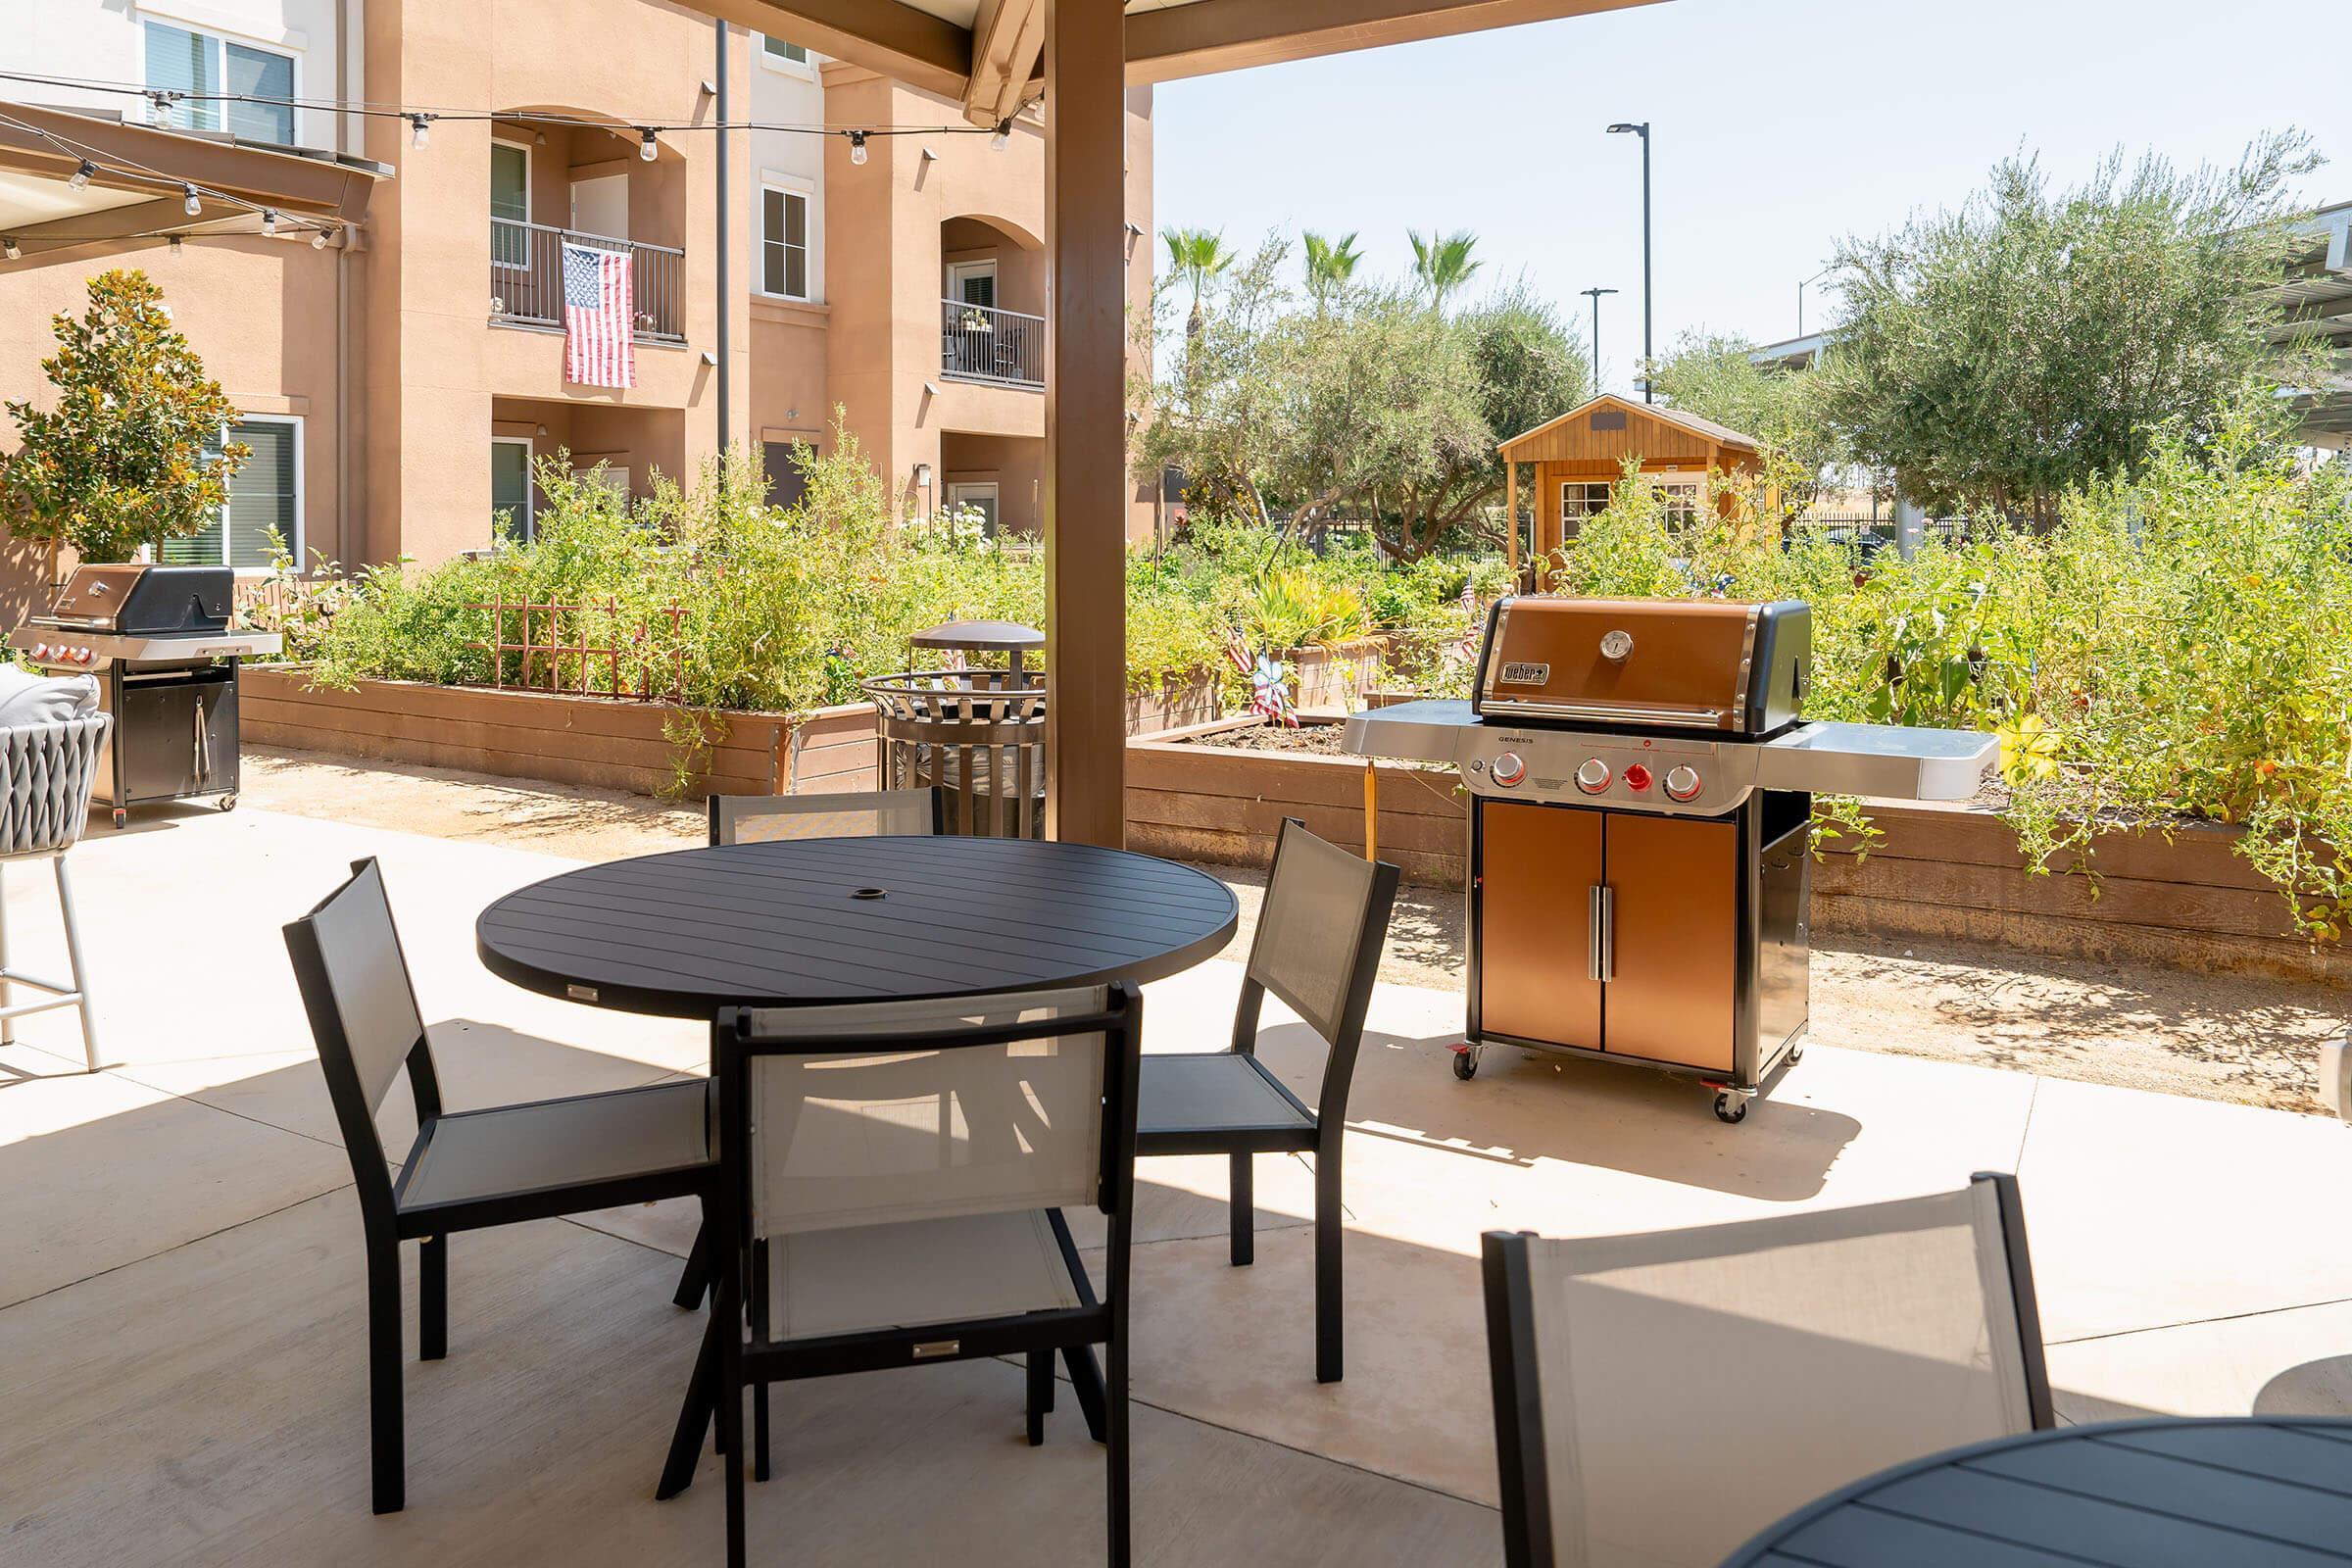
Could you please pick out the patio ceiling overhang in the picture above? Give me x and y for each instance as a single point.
(41, 147)
(991, 57)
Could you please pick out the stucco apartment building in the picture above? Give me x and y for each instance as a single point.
(396, 344)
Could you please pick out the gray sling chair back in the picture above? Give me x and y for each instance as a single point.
(892, 1181)
(873, 814)
(1320, 932)
(465, 1170)
(1660, 1399)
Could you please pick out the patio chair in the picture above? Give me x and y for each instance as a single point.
(50, 739)
(892, 1180)
(1320, 932)
(466, 1170)
(872, 813)
(1659, 1398)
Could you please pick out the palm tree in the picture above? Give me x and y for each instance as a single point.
(1196, 256)
(1330, 265)
(1443, 262)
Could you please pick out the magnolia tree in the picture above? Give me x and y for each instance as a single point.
(129, 452)
(1367, 400)
(1993, 357)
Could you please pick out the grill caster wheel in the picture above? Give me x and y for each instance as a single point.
(228, 803)
(1466, 1062)
(1731, 1112)
(121, 816)
(1797, 1053)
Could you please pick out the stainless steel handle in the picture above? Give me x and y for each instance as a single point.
(1608, 933)
(1615, 712)
(1593, 918)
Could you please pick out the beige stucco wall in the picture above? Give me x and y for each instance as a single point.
(435, 362)
(261, 313)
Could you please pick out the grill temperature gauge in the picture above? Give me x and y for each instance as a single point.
(1593, 776)
(1508, 769)
(1682, 783)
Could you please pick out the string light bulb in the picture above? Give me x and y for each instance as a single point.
(189, 203)
(268, 223)
(857, 147)
(159, 109)
(318, 239)
(1002, 138)
(422, 131)
(8, 248)
(80, 179)
(645, 148)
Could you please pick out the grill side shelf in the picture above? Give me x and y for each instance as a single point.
(1886, 760)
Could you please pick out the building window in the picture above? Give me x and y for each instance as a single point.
(784, 242)
(981, 498)
(199, 64)
(1680, 502)
(509, 204)
(264, 498)
(510, 487)
(1581, 501)
(783, 52)
(974, 283)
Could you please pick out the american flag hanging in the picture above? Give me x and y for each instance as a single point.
(599, 349)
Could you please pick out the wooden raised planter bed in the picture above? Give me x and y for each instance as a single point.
(605, 742)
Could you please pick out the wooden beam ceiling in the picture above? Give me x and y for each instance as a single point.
(294, 184)
(1008, 44)
(896, 39)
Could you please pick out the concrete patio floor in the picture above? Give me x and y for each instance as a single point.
(180, 1278)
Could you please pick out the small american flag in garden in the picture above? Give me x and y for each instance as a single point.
(599, 349)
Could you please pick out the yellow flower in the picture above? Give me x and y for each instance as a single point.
(2029, 750)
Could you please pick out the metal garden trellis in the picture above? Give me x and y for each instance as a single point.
(549, 641)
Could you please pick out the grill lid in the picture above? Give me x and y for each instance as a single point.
(1717, 666)
(145, 599)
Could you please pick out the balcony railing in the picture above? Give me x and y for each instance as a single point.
(526, 277)
(981, 343)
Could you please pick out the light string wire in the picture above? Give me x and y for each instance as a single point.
(100, 163)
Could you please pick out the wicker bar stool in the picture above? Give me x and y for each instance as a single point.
(47, 772)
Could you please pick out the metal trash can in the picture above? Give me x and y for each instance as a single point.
(975, 734)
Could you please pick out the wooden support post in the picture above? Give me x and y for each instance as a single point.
(1086, 421)
(1371, 809)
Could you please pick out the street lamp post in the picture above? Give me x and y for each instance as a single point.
(1800, 296)
(1648, 347)
(1594, 294)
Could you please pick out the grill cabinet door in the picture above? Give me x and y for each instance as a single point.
(1676, 901)
(1537, 868)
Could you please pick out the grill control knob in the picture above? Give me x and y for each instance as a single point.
(1682, 783)
(1593, 776)
(1508, 769)
(40, 649)
(1637, 777)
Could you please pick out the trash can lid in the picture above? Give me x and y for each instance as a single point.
(980, 635)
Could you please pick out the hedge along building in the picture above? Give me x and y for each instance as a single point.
(1578, 457)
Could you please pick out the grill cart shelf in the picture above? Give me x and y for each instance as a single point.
(1640, 789)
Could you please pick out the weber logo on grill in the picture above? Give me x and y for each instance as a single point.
(1526, 674)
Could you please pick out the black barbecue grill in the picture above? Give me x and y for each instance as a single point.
(157, 639)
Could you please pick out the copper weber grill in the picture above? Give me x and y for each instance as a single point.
(158, 639)
(1641, 779)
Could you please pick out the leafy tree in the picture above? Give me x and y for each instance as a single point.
(1713, 377)
(131, 453)
(1993, 357)
(1199, 257)
(1444, 263)
(1330, 264)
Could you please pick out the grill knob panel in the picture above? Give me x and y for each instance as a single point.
(1508, 769)
(1682, 783)
(1593, 776)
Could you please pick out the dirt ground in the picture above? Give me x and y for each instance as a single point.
(2237, 1038)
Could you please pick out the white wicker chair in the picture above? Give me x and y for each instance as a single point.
(46, 774)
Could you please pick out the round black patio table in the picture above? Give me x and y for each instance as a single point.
(804, 922)
(2126, 1494)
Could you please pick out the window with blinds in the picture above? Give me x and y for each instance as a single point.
(181, 60)
(784, 243)
(778, 49)
(263, 495)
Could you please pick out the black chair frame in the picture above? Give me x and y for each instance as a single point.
(730, 1364)
(387, 1221)
(1324, 1134)
(1528, 1532)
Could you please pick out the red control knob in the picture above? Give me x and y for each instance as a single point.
(1637, 777)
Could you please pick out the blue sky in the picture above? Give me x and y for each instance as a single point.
(1780, 125)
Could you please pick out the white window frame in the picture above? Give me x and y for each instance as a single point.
(182, 115)
(805, 191)
(804, 68)
(524, 147)
(962, 490)
(530, 499)
(1579, 486)
(952, 282)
